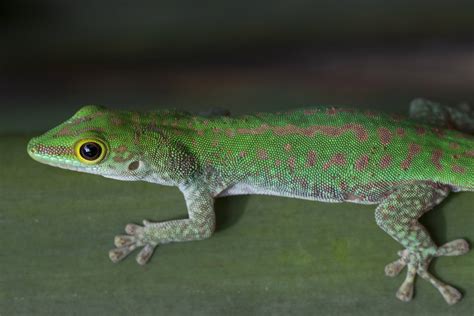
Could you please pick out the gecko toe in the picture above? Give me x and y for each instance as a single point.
(457, 247)
(451, 295)
(133, 229)
(395, 268)
(118, 254)
(405, 293)
(124, 240)
(145, 254)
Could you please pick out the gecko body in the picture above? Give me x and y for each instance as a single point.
(406, 166)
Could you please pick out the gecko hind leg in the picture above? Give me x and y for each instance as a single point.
(460, 117)
(398, 215)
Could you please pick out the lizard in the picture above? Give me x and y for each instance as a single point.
(404, 165)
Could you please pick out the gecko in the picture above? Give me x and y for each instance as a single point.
(404, 165)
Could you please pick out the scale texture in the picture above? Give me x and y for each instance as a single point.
(406, 166)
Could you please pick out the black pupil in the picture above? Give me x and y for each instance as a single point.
(90, 151)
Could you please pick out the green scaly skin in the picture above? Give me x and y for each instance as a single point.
(406, 166)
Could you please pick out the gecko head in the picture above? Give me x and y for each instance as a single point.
(94, 140)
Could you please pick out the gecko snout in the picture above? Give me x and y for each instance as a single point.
(32, 147)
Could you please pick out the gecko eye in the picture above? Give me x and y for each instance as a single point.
(90, 151)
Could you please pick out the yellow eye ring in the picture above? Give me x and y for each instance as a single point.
(90, 151)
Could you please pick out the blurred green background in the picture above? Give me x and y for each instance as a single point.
(270, 256)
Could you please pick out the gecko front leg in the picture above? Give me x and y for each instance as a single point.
(398, 215)
(199, 225)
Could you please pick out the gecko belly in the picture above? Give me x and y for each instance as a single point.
(323, 196)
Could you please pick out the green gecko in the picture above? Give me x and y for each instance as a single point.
(329, 154)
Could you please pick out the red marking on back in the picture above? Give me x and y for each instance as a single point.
(337, 160)
(436, 159)
(116, 121)
(66, 131)
(361, 132)
(311, 158)
(420, 131)
(215, 143)
(88, 117)
(454, 146)
(332, 131)
(362, 163)
(242, 154)
(262, 154)
(254, 131)
(278, 163)
(469, 153)
(291, 164)
(230, 132)
(386, 161)
(413, 150)
(385, 136)
(459, 169)
(287, 147)
(401, 132)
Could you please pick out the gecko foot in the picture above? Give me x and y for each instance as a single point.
(136, 237)
(418, 265)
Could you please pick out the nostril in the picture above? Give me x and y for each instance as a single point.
(32, 148)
